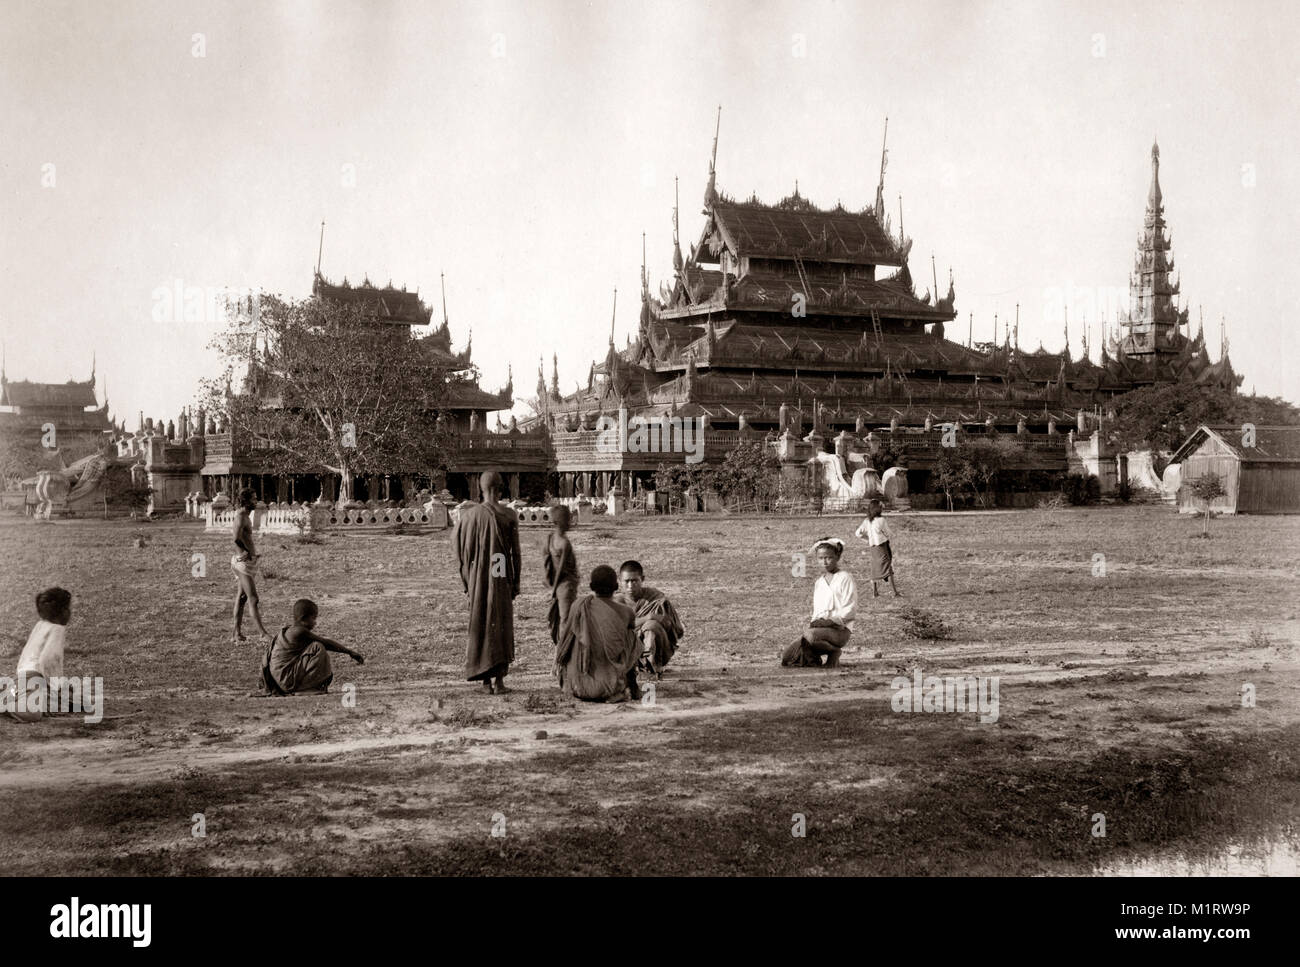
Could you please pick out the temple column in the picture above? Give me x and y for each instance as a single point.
(473, 486)
(514, 486)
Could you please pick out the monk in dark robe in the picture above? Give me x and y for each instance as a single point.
(598, 648)
(298, 660)
(658, 627)
(487, 546)
(561, 571)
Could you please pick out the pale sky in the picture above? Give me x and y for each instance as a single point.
(524, 148)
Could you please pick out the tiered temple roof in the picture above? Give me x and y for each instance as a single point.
(391, 306)
(72, 407)
(788, 304)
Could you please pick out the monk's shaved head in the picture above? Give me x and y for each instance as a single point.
(490, 480)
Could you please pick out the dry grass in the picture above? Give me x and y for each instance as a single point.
(1120, 693)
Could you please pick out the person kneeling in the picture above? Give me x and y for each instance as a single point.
(598, 647)
(835, 603)
(298, 659)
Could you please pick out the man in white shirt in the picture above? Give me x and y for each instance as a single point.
(835, 605)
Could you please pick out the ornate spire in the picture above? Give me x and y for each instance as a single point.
(510, 380)
(555, 375)
(613, 313)
(1154, 198)
(880, 186)
(1067, 333)
(677, 247)
(711, 191)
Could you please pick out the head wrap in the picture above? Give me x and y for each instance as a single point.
(832, 542)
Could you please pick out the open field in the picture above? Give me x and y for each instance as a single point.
(1120, 694)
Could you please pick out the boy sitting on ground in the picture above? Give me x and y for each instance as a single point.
(40, 666)
(298, 660)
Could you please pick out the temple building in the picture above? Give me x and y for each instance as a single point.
(228, 465)
(803, 323)
(81, 426)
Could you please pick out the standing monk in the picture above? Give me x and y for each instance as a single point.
(487, 547)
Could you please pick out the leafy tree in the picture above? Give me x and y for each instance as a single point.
(21, 457)
(750, 472)
(987, 458)
(121, 490)
(1161, 417)
(952, 473)
(1207, 488)
(332, 390)
(675, 479)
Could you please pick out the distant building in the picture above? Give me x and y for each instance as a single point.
(1260, 478)
(28, 412)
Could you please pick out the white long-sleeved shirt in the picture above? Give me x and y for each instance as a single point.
(875, 530)
(43, 653)
(835, 596)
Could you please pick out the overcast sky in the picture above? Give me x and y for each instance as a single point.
(524, 148)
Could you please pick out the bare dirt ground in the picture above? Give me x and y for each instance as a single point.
(1120, 694)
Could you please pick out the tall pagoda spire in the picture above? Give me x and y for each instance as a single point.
(1154, 318)
(711, 191)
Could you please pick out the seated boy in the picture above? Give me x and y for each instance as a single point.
(40, 666)
(657, 625)
(298, 660)
(598, 648)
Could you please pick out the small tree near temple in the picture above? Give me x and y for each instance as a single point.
(750, 473)
(1207, 488)
(327, 388)
(952, 473)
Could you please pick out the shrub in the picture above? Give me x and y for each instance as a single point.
(1081, 488)
(919, 623)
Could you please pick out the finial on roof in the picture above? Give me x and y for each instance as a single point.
(613, 313)
(880, 187)
(1154, 197)
(442, 279)
(321, 249)
(711, 191)
(677, 248)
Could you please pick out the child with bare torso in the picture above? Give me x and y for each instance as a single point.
(244, 564)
